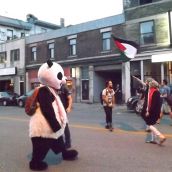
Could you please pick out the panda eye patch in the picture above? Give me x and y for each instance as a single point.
(59, 76)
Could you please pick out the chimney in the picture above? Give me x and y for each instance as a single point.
(62, 22)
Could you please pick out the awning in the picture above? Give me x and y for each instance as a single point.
(162, 57)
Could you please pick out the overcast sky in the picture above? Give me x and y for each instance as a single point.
(73, 11)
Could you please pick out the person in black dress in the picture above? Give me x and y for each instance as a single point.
(151, 112)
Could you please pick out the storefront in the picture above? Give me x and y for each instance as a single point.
(7, 79)
(157, 66)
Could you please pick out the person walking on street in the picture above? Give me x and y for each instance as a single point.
(151, 112)
(144, 91)
(165, 108)
(108, 103)
(66, 98)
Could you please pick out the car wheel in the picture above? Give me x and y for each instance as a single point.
(137, 109)
(20, 103)
(134, 106)
(4, 103)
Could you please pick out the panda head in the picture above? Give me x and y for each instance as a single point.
(51, 74)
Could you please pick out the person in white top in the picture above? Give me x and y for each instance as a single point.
(108, 103)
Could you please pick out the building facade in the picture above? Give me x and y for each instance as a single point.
(89, 57)
(149, 23)
(12, 69)
(12, 49)
(86, 53)
(13, 28)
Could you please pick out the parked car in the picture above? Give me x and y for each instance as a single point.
(132, 102)
(139, 106)
(22, 99)
(135, 103)
(8, 98)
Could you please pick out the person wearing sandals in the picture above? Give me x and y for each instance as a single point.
(152, 113)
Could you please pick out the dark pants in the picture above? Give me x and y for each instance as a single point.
(67, 136)
(108, 112)
(41, 146)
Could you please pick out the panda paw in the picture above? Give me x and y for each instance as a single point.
(69, 155)
(38, 166)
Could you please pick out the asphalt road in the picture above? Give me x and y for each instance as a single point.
(123, 150)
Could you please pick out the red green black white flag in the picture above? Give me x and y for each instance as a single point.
(128, 49)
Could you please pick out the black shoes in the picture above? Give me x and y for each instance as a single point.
(109, 126)
(38, 166)
(69, 155)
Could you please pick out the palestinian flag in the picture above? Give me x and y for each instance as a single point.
(128, 49)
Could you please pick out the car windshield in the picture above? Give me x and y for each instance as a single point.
(5, 94)
(11, 94)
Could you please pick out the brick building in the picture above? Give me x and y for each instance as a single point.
(86, 53)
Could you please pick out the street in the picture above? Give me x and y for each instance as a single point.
(123, 150)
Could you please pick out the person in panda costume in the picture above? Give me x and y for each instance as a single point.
(47, 125)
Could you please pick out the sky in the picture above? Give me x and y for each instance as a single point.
(73, 11)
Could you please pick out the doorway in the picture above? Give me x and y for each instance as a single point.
(85, 89)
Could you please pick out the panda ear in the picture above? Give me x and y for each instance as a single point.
(49, 62)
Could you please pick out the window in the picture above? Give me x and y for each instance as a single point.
(3, 57)
(33, 53)
(9, 34)
(72, 44)
(51, 50)
(152, 70)
(85, 72)
(15, 55)
(142, 2)
(147, 33)
(106, 40)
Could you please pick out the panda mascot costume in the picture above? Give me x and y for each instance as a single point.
(47, 125)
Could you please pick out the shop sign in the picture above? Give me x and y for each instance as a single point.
(162, 57)
(8, 71)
